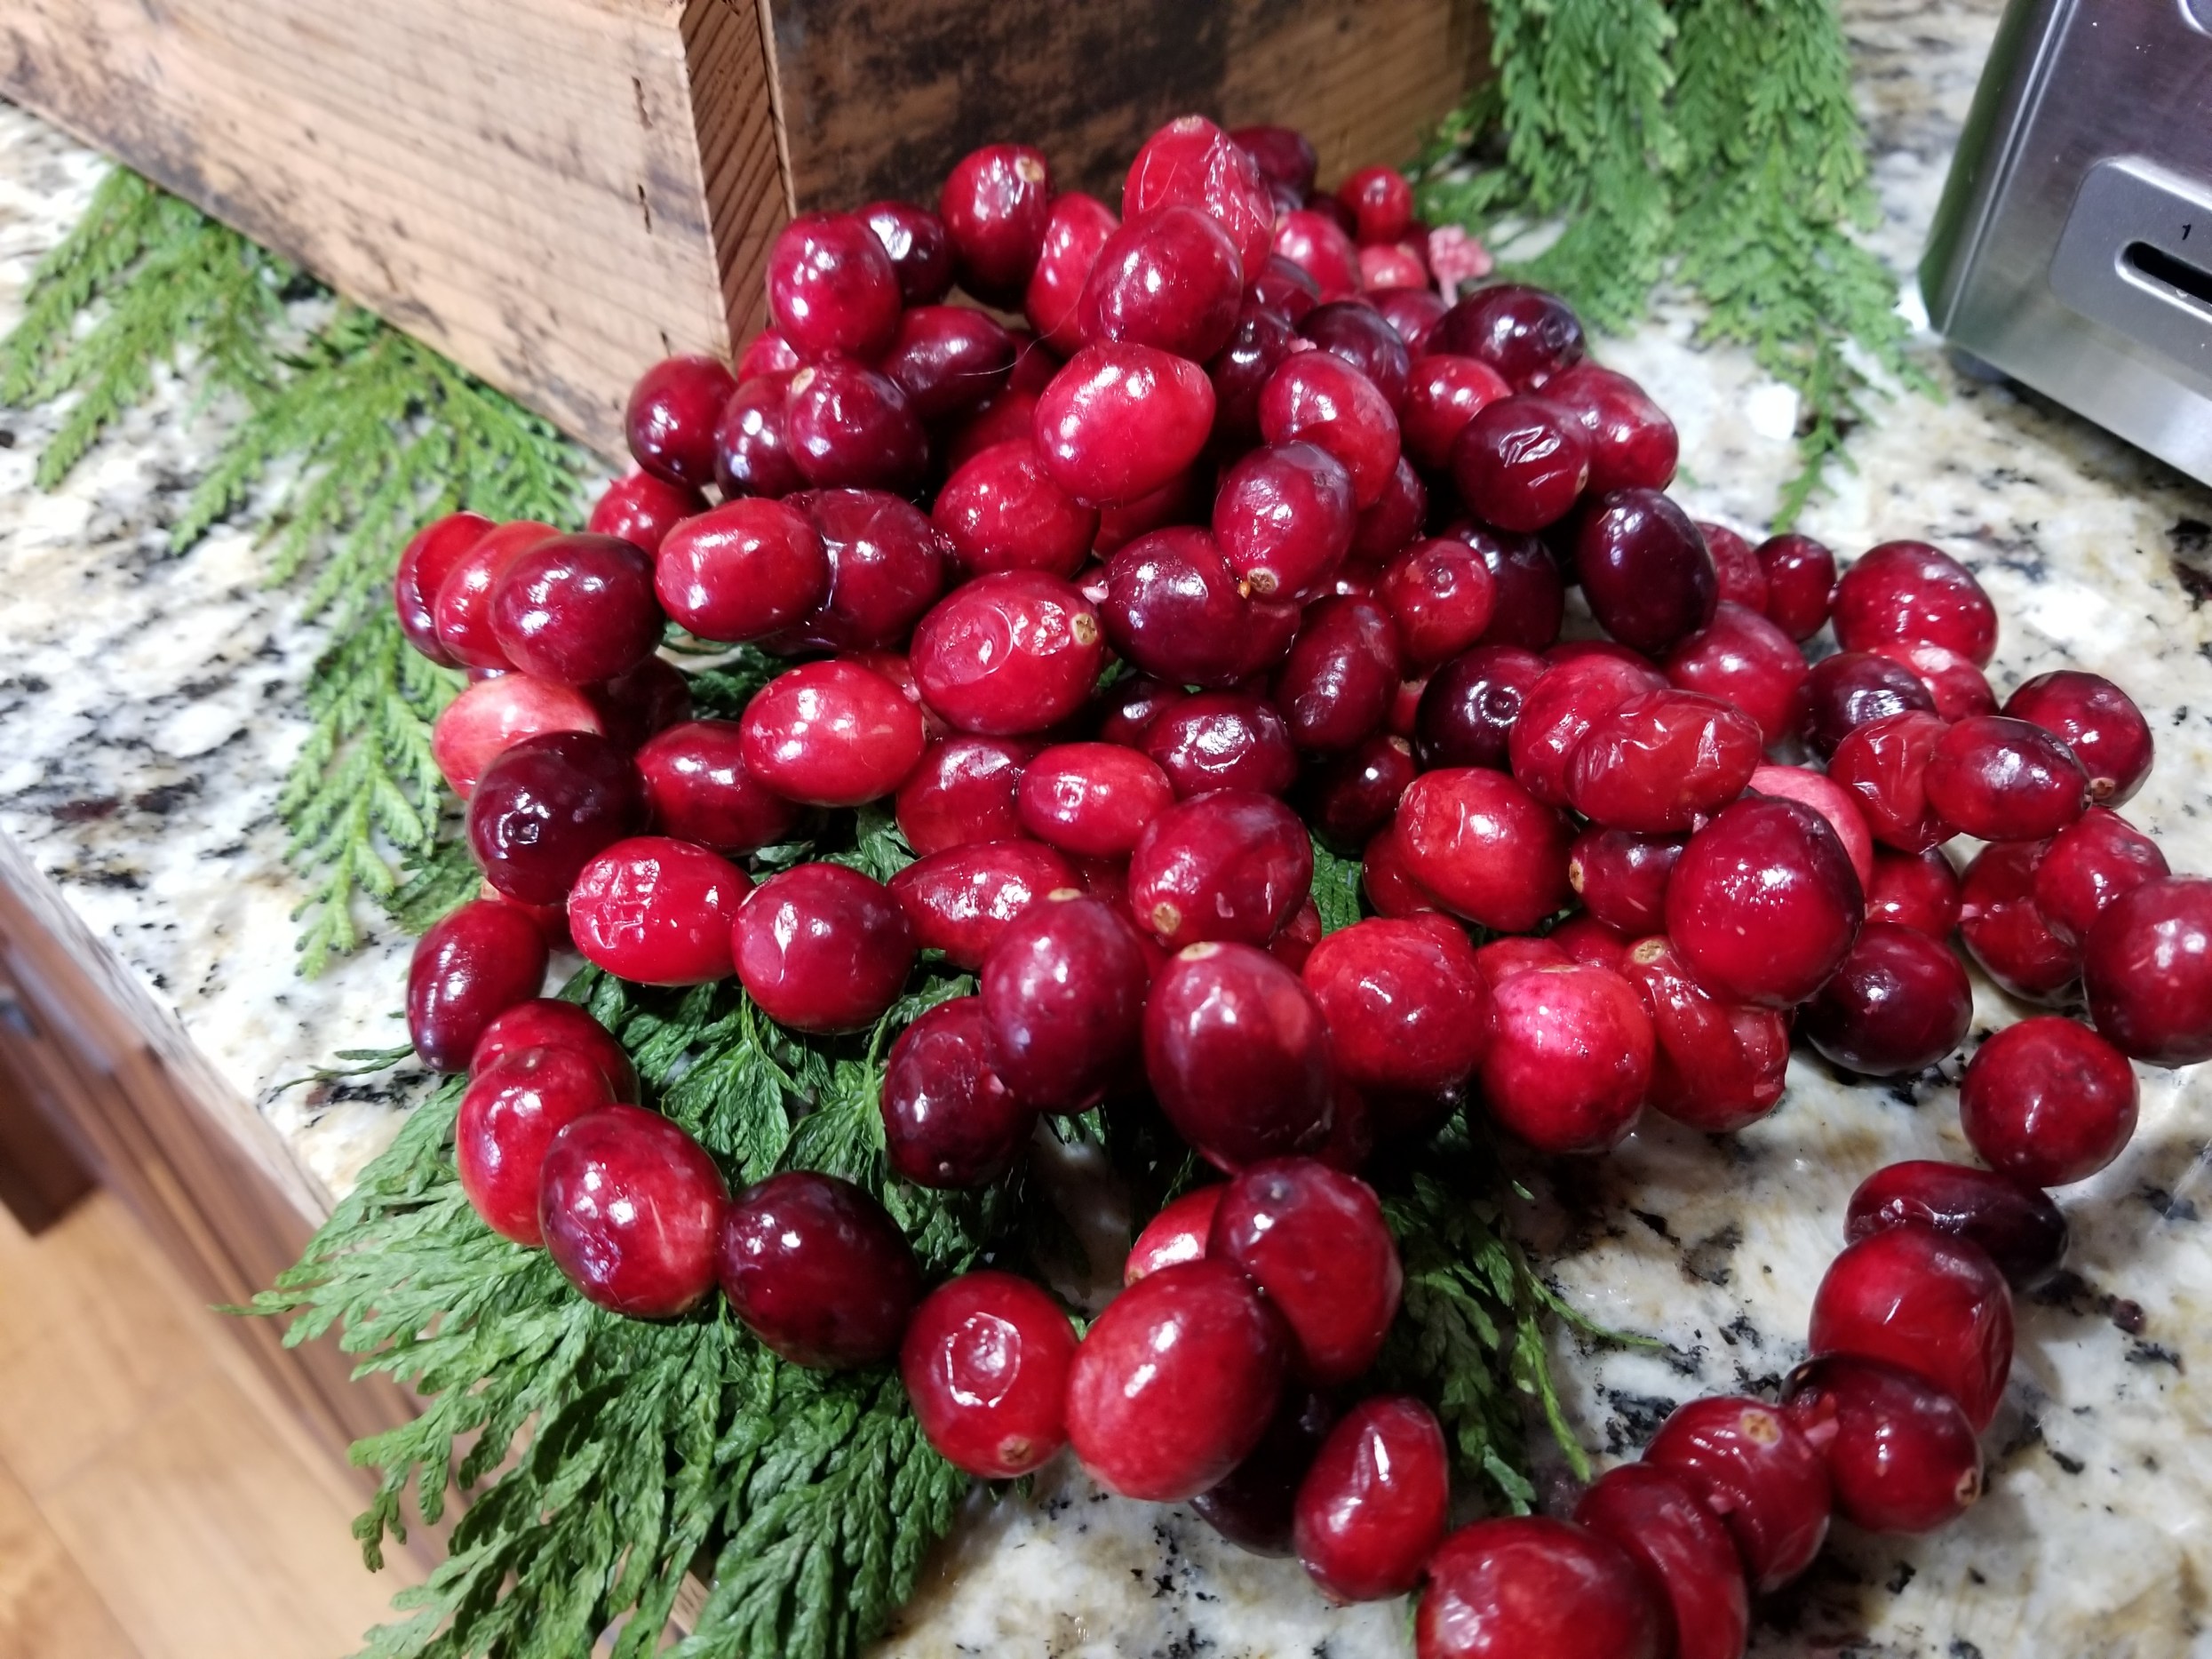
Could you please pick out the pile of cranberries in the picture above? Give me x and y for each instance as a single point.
(1248, 534)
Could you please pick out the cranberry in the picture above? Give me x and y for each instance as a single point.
(1901, 1455)
(492, 716)
(743, 570)
(1337, 684)
(1356, 331)
(546, 806)
(549, 1023)
(1657, 1518)
(752, 450)
(887, 567)
(1443, 393)
(2098, 721)
(2007, 934)
(1832, 802)
(630, 1206)
(1238, 1051)
(1960, 691)
(461, 610)
(1885, 765)
(1282, 154)
(1899, 1003)
(671, 418)
(1440, 594)
(1318, 246)
(985, 1365)
(1501, 959)
(1409, 1013)
(1414, 313)
(2004, 779)
(1238, 371)
(1174, 1383)
(1390, 525)
(1388, 883)
(1909, 591)
(658, 910)
(963, 790)
(1571, 1057)
(1063, 993)
(2022, 1230)
(817, 1270)
(634, 707)
(822, 947)
(573, 609)
(1226, 864)
(1008, 653)
(2147, 966)
(921, 249)
(1632, 443)
(2089, 864)
(1183, 499)
(1178, 1233)
(1524, 333)
(1528, 1587)
(1532, 598)
(1560, 710)
(639, 509)
(1001, 420)
(1283, 519)
(513, 1109)
(1078, 229)
(1716, 1066)
(1191, 163)
(430, 557)
(1763, 905)
(1355, 794)
(996, 205)
(959, 899)
(1254, 1506)
(1131, 704)
(1121, 420)
(1801, 583)
(1376, 1502)
(1001, 511)
(1521, 463)
(1763, 1477)
(946, 360)
(1319, 397)
(1914, 891)
(1745, 659)
(831, 734)
(768, 352)
(1468, 711)
(1394, 265)
(1742, 580)
(1933, 1305)
(1661, 761)
(1314, 1240)
(1621, 876)
(1590, 941)
(2048, 1102)
(1484, 846)
(1092, 799)
(471, 967)
(948, 1120)
(832, 287)
(1170, 279)
(849, 427)
(1223, 740)
(1645, 570)
(1382, 203)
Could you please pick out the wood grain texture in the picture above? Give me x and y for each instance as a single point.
(48, 1606)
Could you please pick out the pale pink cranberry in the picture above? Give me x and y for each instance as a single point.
(491, 717)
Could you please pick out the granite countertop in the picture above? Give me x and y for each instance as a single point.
(151, 704)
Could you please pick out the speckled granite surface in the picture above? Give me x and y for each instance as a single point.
(148, 706)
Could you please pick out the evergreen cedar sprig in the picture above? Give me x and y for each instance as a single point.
(1708, 143)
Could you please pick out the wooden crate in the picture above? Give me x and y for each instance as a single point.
(555, 193)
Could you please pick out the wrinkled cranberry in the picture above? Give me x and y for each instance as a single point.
(1121, 420)
(671, 418)
(1763, 1477)
(1075, 228)
(1092, 799)
(461, 609)
(752, 450)
(1524, 333)
(641, 509)
(1223, 740)
(1742, 580)
(2004, 779)
(1763, 905)
(1355, 794)
(1658, 1519)
(832, 287)
(985, 1364)
(1621, 876)
(1253, 1506)
(1484, 846)
(2089, 865)
(1191, 163)
(1743, 658)
(963, 789)
(1170, 278)
(958, 900)
(946, 360)
(1375, 1503)
(1320, 398)
(1801, 583)
(1715, 1066)
(471, 967)
(1011, 652)
(431, 555)
(1934, 1305)
(849, 427)
(996, 204)
(1318, 246)
(817, 1270)
(492, 716)
(1901, 1456)
(1283, 518)
(822, 947)
(1885, 765)
(1899, 1003)
(2048, 1102)
(1522, 462)
(1409, 1015)
(1178, 1233)
(630, 1206)
(1632, 443)
(1238, 1051)
(2147, 968)
(831, 734)
(2097, 720)
(1914, 891)
(1909, 591)
(1337, 682)
(658, 910)
(548, 806)
(1568, 1067)
(1645, 570)
(948, 1120)
(742, 571)
(1064, 994)
(1528, 1587)
(508, 1117)
(2022, 1230)
(1560, 710)
(1226, 864)
(1314, 1240)
(1661, 761)
(1468, 711)
(2000, 925)
(1832, 802)
(920, 247)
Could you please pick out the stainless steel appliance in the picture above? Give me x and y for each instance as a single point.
(2073, 246)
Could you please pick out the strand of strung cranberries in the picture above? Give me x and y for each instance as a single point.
(1325, 518)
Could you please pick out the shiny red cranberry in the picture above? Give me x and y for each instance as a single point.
(963, 789)
(1763, 1477)
(1999, 778)
(1521, 463)
(1175, 1382)
(2089, 865)
(2147, 968)
(1467, 713)
(1645, 571)
(461, 609)
(1528, 1587)
(1283, 518)
(1319, 397)
(1443, 393)
(1226, 864)
(1353, 795)
(2097, 720)
(1763, 905)
(549, 1023)
(671, 418)
(743, 570)
(1223, 740)
(752, 450)
(887, 565)
(1121, 420)
(1914, 891)
(1382, 203)
(1394, 265)
(1001, 511)
(817, 1270)
(1960, 691)
(1485, 847)
(1899, 1003)
(766, 353)
(1191, 163)
(1571, 1057)
(2000, 925)
(1909, 591)
(1374, 1504)
(919, 246)
(2022, 1230)
(1012, 414)
(1388, 882)
(1657, 1518)
(508, 1117)
(1934, 1305)
(1621, 876)
(996, 204)
(1077, 228)
(1801, 583)
(1502, 958)
(948, 1120)
(471, 967)
(1716, 1066)
(1414, 313)
(1314, 1240)
(1524, 333)
(1384, 529)
(1337, 684)
(548, 806)
(1170, 278)
(1885, 765)
(947, 360)
(430, 557)
(1736, 568)
(1015, 651)
(1745, 659)
(832, 287)
(574, 609)
(1318, 246)
(1357, 332)
(641, 509)
(985, 1364)
(1063, 993)
(1238, 371)
(1440, 594)
(1559, 712)
(1901, 1455)
(1832, 802)
(493, 715)
(960, 900)
(1178, 1233)
(851, 427)
(1662, 761)
(1590, 941)
(1408, 1011)
(831, 734)
(1632, 443)
(630, 1206)
(1092, 798)
(1238, 1051)
(2048, 1102)
(658, 910)
(822, 947)
(1253, 1505)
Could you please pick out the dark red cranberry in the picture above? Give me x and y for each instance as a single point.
(766, 353)
(1999, 778)
(630, 1206)
(1521, 463)
(547, 807)
(948, 1120)
(1063, 993)
(1901, 1456)
(1527, 1586)
(752, 450)
(1175, 608)
(1077, 229)
(887, 565)
(1558, 712)
(1092, 798)
(1914, 891)
(2097, 720)
(833, 288)
(1661, 761)
(1238, 1051)
(1357, 332)
(1282, 154)
(461, 610)
(1015, 651)
(985, 1364)
(1500, 960)
(1657, 1518)
(1443, 393)
(1524, 333)
(1183, 499)
(1178, 1233)
(817, 1270)
(1001, 511)
(658, 910)
(1832, 802)
(1121, 420)
(641, 509)
(1909, 591)
(1337, 684)
(831, 734)
(1175, 1382)
(2089, 865)
(1170, 278)
(1960, 691)
(849, 427)
(549, 1023)
(573, 609)
(1284, 289)
(1468, 711)
(2022, 1230)
(1388, 883)
(1763, 1477)
(1319, 397)
(1408, 1012)
(508, 1117)
(2147, 967)
(960, 900)
(1763, 905)
(1485, 847)
(822, 947)
(1934, 1305)
(1238, 371)
(637, 706)
(2048, 1102)
(743, 570)
(1376, 1501)
(1801, 583)
(946, 360)
(1621, 876)
(996, 204)
(1571, 1059)
(1253, 1505)
(1226, 864)
(1001, 420)
(1440, 594)
(1532, 598)
(1355, 794)
(1645, 570)
(2000, 925)
(1736, 568)
(1899, 1003)
(963, 790)
(471, 967)
(1283, 518)
(1745, 659)
(920, 247)
(430, 557)
(1885, 765)
(1191, 163)
(1716, 1066)
(493, 715)
(1223, 740)
(1313, 1239)
(1414, 313)
(671, 415)
(1632, 443)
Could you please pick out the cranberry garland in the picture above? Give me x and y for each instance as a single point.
(1327, 519)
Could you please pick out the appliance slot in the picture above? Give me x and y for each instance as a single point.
(2158, 266)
